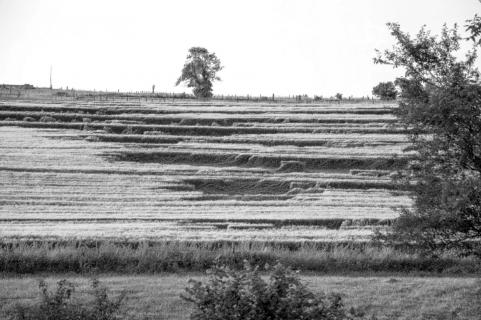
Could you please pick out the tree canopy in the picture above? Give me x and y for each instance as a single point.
(385, 90)
(200, 71)
(440, 102)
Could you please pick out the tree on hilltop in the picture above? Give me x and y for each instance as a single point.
(200, 71)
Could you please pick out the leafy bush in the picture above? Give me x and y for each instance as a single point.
(440, 94)
(58, 305)
(232, 295)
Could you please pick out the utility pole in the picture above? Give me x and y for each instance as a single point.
(50, 77)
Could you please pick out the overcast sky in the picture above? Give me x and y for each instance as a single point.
(279, 46)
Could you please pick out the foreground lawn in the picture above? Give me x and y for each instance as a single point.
(157, 297)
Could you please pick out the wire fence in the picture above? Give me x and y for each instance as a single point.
(26, 92)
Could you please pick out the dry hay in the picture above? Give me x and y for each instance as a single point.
(235, 171)
(292, 166)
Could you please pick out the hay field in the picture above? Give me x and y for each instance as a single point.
(198, 170)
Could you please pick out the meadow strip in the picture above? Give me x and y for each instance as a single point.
(175, 256)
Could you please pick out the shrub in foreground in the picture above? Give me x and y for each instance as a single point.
(59, 305)
(232, 295)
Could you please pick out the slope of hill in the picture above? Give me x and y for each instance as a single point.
(198, 170)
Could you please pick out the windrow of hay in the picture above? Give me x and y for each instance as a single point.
(161, 137)
(173, 108)
(276, 186)
(195, 130)
(195, 119)
(250, 160)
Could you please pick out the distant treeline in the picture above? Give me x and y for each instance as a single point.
(16, 86)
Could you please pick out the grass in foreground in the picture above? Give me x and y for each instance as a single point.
(176, 256)
(386, 297)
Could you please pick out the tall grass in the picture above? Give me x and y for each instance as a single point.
(143, 257)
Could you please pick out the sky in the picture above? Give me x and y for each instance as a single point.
(267, 47)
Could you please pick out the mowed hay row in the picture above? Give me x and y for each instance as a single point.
(301, 140)
(204, 130)
(334, 151)
(81, 156)
(111, 197)
(210, 122)
(198, 118)
(42, 180)
(175, 206)
(233, 186)
(196, 107)
(269, 161)
(149, 230)
(36, 195)
(211, 184)
(287, 213)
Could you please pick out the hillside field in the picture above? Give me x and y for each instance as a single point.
(145, 195)
(202, 171)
